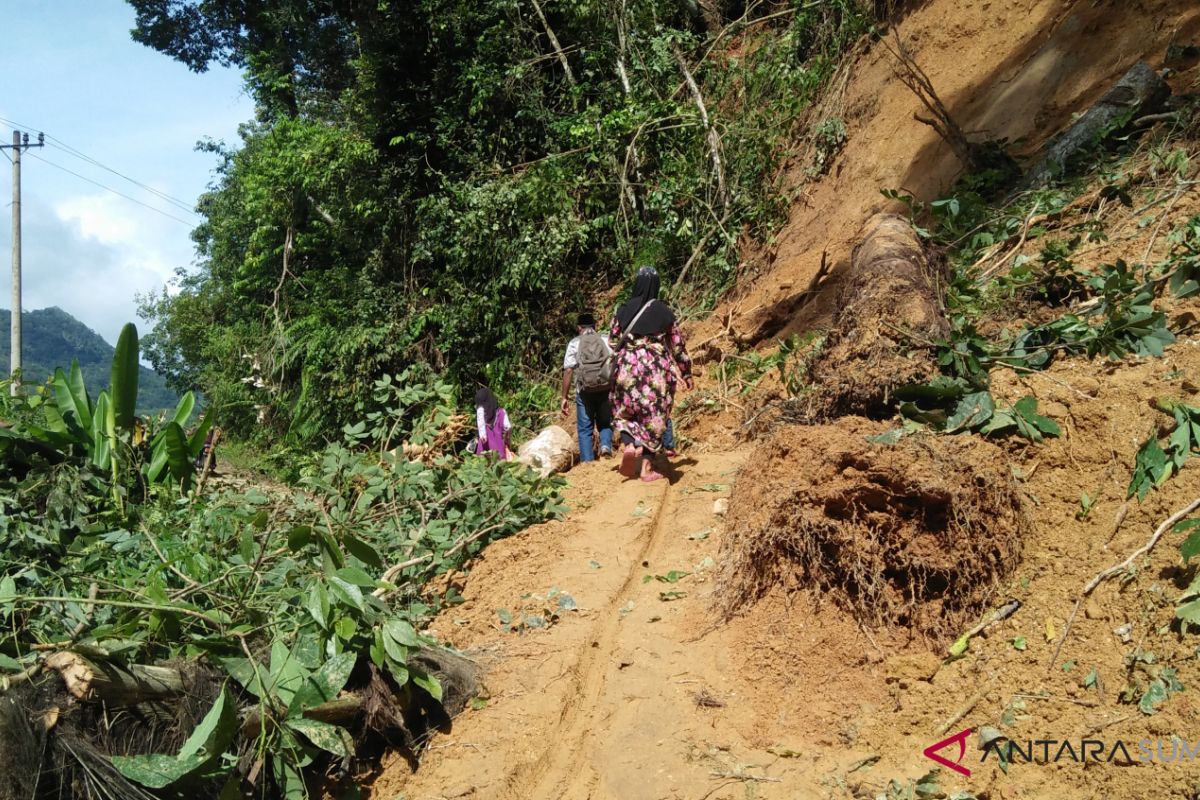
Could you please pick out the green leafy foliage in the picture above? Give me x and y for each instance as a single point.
(953, 405)
(196, 759)
(315, 582)
(1181, 270)
(427, 182)
(1188, 608)
(1154, 464)
(1022, 419)
(1159, 689)
(60, 423)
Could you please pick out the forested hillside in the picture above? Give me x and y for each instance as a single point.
(52, 338)
(447, 183)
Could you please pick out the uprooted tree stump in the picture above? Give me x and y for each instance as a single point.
(889, 315)
(59, 731)
(916, 534)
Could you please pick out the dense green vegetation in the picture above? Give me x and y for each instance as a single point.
(109, 548)
(449, 183)
(52, 338)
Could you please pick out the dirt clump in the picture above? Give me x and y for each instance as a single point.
(889, 314)
(916, 534)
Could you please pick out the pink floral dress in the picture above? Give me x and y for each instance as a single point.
(644, 386)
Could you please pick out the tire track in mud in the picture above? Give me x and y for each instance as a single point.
(560, 772)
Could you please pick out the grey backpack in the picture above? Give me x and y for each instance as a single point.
(596, 363)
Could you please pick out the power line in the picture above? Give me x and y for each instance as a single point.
(61, 145)
(114, 191)
(180, 204)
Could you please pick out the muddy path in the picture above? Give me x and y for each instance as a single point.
(637, 693)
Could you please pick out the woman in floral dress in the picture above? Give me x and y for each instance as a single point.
(651, 358)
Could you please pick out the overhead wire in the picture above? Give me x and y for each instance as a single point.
(110, 189)
(59, 144)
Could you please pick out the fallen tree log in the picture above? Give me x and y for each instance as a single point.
(116, 685)
(1139, 89)
(888, 319)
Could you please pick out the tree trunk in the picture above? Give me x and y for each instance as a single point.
(1139, 89)
(889, 316)
(116, 685)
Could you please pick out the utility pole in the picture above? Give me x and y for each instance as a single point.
(20, 142)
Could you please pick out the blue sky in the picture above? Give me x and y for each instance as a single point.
(72, 71)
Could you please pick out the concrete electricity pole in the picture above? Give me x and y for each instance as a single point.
(20, 142)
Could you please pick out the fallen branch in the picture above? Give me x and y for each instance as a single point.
(1118, 521)
(714, 139)
(1102, 725)
(912, 76)
(744, 776)
(967, 708)
(986, 274)
(1117, 569)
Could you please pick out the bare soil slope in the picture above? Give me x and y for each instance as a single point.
(1005, 69)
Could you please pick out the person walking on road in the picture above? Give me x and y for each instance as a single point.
(651, 357)
(587, 375)
(491, 425)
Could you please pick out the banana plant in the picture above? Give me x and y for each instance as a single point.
(108, 428)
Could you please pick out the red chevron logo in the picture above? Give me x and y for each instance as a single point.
(931, 752)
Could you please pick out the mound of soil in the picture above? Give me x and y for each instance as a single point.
(918, 533)
(889, 313)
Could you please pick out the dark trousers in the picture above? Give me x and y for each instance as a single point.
(592, 409)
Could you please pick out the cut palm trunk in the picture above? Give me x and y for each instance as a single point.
(889, 318)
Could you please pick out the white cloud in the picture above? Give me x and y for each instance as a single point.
(90, 256)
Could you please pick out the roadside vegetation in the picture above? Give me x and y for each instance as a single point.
(450, 183)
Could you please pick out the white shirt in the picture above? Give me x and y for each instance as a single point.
(481, 423)
(571, 359)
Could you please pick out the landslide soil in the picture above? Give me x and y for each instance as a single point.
(640, 693)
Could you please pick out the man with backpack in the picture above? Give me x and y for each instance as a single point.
(587, 373)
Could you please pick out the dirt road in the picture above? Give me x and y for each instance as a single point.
(633, 695)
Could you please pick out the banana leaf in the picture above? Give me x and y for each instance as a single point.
(124, 384)
(196, 442)
(83, 403)
(101, 443)
(183, 410)
(178, 460)
(70, 412)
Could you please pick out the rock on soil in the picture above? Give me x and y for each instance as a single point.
(552, 450)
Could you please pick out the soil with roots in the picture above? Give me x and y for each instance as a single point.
(917, 534)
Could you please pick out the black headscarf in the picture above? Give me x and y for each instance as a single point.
(487, 401)
(657, 318)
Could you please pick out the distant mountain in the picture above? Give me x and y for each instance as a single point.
(51, 338)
